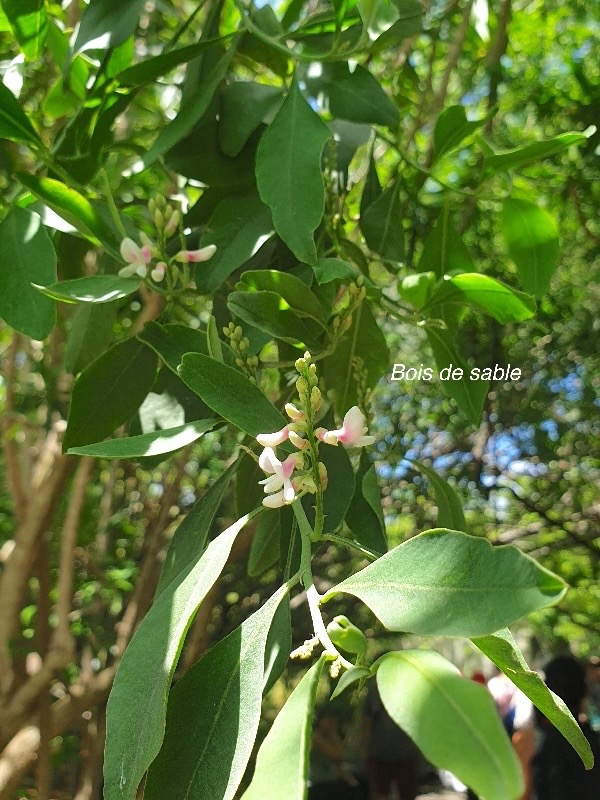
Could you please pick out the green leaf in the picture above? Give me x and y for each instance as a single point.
(282, 761)
(501, 648)
(270, 312)
(452, 720)
(521, 156)
(365, 516)
(292, 289)
(416, 289)
(279, 645)
(264, 550)
(444, 250)
(449, 509)
(364, 340)
(26, 255)
(14, 123)
(209, 735)
(190, 112)
(451, 128)
(29, 22)
(531, 236)
(353, 94)
(99, 289)
(137, 706)
(349, 677)
(484, 293)
(108, 392)
(469, 395)
(446, 583)
(381, 225)
(156, 443)
(215, 350)
(288, 173)
(153, 68)
(239, 227)
(244, 106)
(105, 24)
(409, 23)
(171, 342)
(73, 207)
(189, 540)
(333, 269)
(90, 335)
(228, 392)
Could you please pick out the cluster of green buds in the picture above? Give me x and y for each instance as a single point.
(360, 373)
(167, 218)
(347, 301)
(240, 345)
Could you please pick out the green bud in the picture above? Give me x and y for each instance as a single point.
(346, 635)
(159, 219)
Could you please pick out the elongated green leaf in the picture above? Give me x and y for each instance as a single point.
(469, 395)
(108, 392)
(269, 312)
(14, 123)
(485, 293)
(381, 225)
(189, 540)
(288, 173)
(354, 94)
(153, 68)
(349, 677)
(521, 156)
(244, 105)
(105, 24)
(90, 335)
(446, 583)
(296, 293)
(73, 207)
(444, 250)
(137, 706)
(189, 114)
(501, 648)
(99, 289)
(210, 734)
(282, 761)
(532, 239)
(363, 340)
(409, 23)
(29, 22)
(365, 516)
(451, 128)
(279, 645)
(452, 720)
(239, 227)
(212, 340)
(416, 289)
(333, 269)
(172, 342)
(26, 255)
(230, 394)
(148, 444)
(264, 550)
(449, 509)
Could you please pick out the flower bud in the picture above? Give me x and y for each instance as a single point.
(346, 635)
(302, 386)
(324, 478)
(294, 413)
(315, 398)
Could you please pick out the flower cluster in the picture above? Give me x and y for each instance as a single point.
(139, 258)
(286, 479)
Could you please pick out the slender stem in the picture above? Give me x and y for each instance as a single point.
(111, 204)
(313, 598)
(331, 537)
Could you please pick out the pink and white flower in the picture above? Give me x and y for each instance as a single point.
(273, 439)
(159, 271)
(195, 256)
(137, 257)
(352, 433)
(279, 484)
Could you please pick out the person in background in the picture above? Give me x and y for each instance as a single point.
(392, 756)
(558, 772)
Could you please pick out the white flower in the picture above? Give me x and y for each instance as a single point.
(158, 273)
(194, 256)
(273, 439)
(278, 485)
(352, 433)
(137, 257)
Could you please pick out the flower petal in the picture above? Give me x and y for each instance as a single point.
(130, 251)
(273, 439)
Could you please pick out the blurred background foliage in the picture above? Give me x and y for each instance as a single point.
(530, 473)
